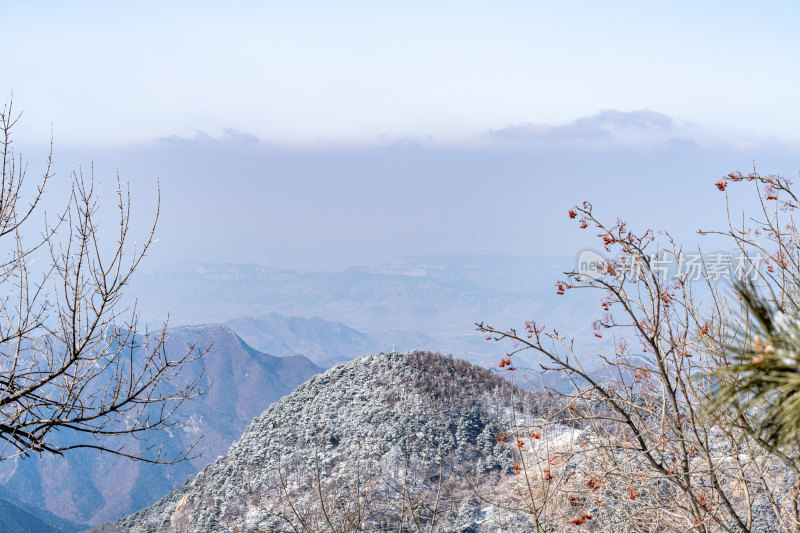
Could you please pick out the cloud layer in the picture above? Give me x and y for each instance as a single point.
(234, 198)
(609, 127)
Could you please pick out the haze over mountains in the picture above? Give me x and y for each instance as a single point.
(430, 302)
(326, 343)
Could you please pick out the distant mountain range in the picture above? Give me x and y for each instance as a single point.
(88, 487)
(430, 302)
(324, 342)
(19, 517)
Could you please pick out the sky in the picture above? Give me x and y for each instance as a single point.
(326, 134)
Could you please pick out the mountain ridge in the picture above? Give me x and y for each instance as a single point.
(441, 296)
(90, 488)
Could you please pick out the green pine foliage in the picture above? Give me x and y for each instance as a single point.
(762, 382)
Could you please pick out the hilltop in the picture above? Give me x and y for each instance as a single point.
(361, 437)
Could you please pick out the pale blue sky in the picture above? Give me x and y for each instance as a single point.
(114, 72)
(327, 134)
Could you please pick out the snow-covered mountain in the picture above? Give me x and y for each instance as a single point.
(363, 440)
